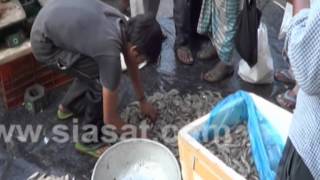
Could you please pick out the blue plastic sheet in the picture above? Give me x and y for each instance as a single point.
(266, 143)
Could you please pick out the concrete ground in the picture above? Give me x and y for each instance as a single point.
(20, 160)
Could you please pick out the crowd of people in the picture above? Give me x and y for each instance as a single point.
(85, 38)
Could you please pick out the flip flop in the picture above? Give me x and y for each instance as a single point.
(64, 115)
(286, 101)
(94, 151)
(188, 51)
(216, 75)
(285, 76)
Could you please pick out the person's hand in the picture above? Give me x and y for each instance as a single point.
(148, 110)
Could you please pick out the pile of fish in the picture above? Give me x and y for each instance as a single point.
(234, 149)
(175, 111)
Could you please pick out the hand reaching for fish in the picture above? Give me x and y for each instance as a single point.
(175, 111)
(148, 109)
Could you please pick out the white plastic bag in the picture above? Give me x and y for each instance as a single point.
(262, 72)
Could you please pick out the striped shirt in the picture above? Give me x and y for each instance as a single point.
(303, 43)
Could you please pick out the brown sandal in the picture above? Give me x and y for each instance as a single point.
(284, 76)
(286, 100)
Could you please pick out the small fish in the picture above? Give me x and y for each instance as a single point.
(235, 150)
(174, 109)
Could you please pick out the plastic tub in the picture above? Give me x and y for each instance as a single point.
(198, 163)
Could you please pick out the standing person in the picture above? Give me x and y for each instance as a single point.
(218, 20)
(186, 15)
(302, 151)
(84, 39)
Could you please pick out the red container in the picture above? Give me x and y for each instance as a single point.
(16, 76)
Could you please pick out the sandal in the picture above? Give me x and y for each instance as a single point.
(286, 100)
(64, 115)
(184, 55)
(285, 76)
(95, 151)
(218, 73)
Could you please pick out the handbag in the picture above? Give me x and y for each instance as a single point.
(247, 32)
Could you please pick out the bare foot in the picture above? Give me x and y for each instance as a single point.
(207, 52)
(218, 73)
(184, 55)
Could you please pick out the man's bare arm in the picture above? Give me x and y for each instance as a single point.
(110, 108)
(134, 74)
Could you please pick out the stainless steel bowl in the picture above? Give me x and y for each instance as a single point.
(137, 159)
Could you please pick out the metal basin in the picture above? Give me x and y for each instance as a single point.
(137, 159)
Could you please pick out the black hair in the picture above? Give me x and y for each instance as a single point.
(145, 32)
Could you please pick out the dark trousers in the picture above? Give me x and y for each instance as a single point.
(84, 97)
(291, 166)
(186, 15)
(151, 7)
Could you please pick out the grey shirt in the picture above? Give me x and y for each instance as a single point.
(78, 28)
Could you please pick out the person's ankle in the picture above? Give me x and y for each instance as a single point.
(224, 65)
(63, 109)
(292, 93)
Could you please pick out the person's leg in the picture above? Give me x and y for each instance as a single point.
(218, 73)
(68, 107)
(204, 28)
(86, 73)
(85, 89)
(285, 75)
(207, 51)
(224, 25)
(181, 15)
(85, 97)
(288, 99)
(291, 166)
(151, 7)
(195, 10)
